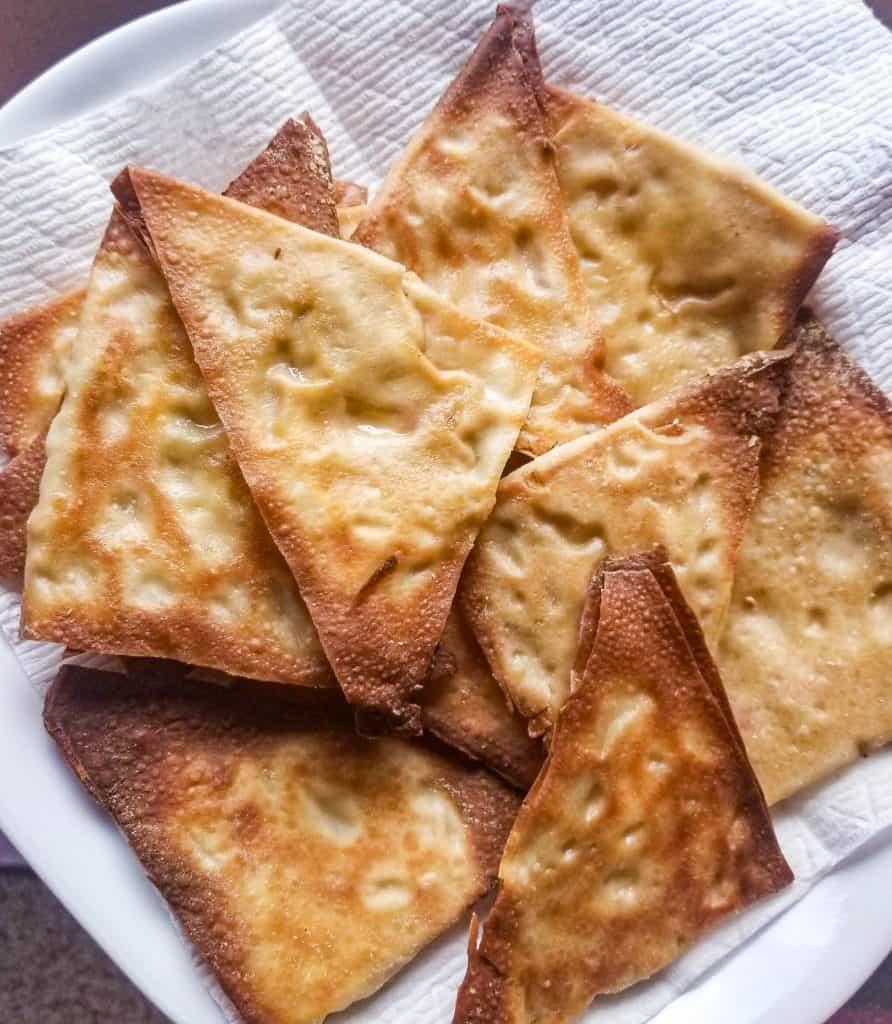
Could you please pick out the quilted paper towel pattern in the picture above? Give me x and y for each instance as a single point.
(798, 91)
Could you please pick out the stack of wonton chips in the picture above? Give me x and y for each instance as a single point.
(527, 474)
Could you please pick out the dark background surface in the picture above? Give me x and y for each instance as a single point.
(50, 970)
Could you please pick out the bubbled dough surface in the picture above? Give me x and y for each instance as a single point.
(806, 652)
(488, 239)
(688, 261)
(305, 864)
(645, 827)
(339, 860)
(145, 539)
(370, 418)
(475, 209)
(650, 478)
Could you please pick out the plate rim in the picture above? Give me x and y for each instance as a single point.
(27, 101)
(818, 1001)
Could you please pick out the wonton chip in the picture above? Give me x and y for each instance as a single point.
(682, 471)
(371, 420)
(689, 261)
(475, 209)
(645, 828)
(305, 864)
(145, 540)
(807, 650)
(290, 178)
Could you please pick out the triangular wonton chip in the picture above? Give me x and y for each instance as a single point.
(465, 707)
(646, 826)
(371, 420)
(682, 471)
(689, 261)
(806, 653)
(146, 540)
(290, 178)
(305, 864)
(474, 207)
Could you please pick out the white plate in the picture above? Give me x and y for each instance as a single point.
(798, 970)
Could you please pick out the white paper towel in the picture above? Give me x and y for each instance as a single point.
(799, 91)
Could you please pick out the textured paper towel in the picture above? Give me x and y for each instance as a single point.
(799, 91)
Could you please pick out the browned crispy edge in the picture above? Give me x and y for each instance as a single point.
(509, 40)
(482, 996)
(113, 730)
(588, 626)
(743, 397)
(482, 993)
(128, 209)
(511, 752)
(517, 768)
(23, 339)
(807, 273)
(381, 675)
(151, 669)
(127, 639)
(19, 488)
(511, 32)
(134, 637)
(292, 178)
(823, 383)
